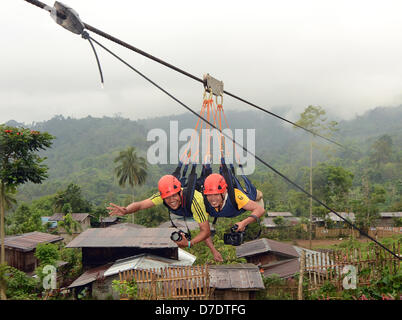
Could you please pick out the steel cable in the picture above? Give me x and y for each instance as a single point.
(245, 149)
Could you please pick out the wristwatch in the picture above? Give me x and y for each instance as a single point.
(255, 217)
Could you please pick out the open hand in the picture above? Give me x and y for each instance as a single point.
(116, 210)
(217, 256)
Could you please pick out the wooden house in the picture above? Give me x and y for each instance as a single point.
(83, 219)
(99, 280)
(387, 219)
(103, 245)
(273, 257)
(264, 251)
(20, 249)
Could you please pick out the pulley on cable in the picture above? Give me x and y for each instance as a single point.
(69, 19)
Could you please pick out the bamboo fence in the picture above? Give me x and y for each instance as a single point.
(178, 283)
(329, 266)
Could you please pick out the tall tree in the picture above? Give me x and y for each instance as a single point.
(73, 197)
(332, 184)
(381, 150)
(131, 168)
(313, 118)
(19, 163)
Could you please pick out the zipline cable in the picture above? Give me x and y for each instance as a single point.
(149, 56)
(103, 34)
(244, 148)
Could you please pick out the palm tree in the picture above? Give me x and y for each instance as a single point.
(131, 169)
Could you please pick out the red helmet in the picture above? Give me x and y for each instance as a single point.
(168, 185)
(214, 184)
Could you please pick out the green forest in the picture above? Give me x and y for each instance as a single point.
(364, 176)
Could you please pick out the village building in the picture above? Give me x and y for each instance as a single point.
(99, 280)
(274, 257)
(387, 219)
(279, 214)
(105, 222)
(290, 221)
(20, 249)
(104, 245)
(235, 281)
(83, 219)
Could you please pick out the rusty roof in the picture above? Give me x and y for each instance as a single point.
(265, 245)
(90, 276)
(124, 237)
(76, 216)
(28, 241)
(284, 269)
(236, 276)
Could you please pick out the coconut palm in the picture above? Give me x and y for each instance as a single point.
(131, 169)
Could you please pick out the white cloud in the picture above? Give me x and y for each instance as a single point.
(342, 55)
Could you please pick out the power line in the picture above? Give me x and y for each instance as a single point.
(244, 148)
(149, 56)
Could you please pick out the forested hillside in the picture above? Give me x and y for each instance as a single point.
(84, 150)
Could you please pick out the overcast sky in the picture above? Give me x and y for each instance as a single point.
(345, 56)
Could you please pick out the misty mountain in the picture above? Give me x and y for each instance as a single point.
(84, 149)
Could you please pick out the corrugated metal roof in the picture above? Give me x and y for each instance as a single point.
(265, 245)
(141, 261)
(76, 216)
(238, 276)
(29, 241)
(284, 269)
(90, 276)
(269, 222)
(127, 225)
(288, 268)
(124, 237)
(149, 261)
(280, 214)
(192, 225)
(345, 215)
(390, 214)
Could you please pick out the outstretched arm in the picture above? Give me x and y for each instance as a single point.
(255, 209)
(116, 210)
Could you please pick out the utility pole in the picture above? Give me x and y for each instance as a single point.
(311, 191)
